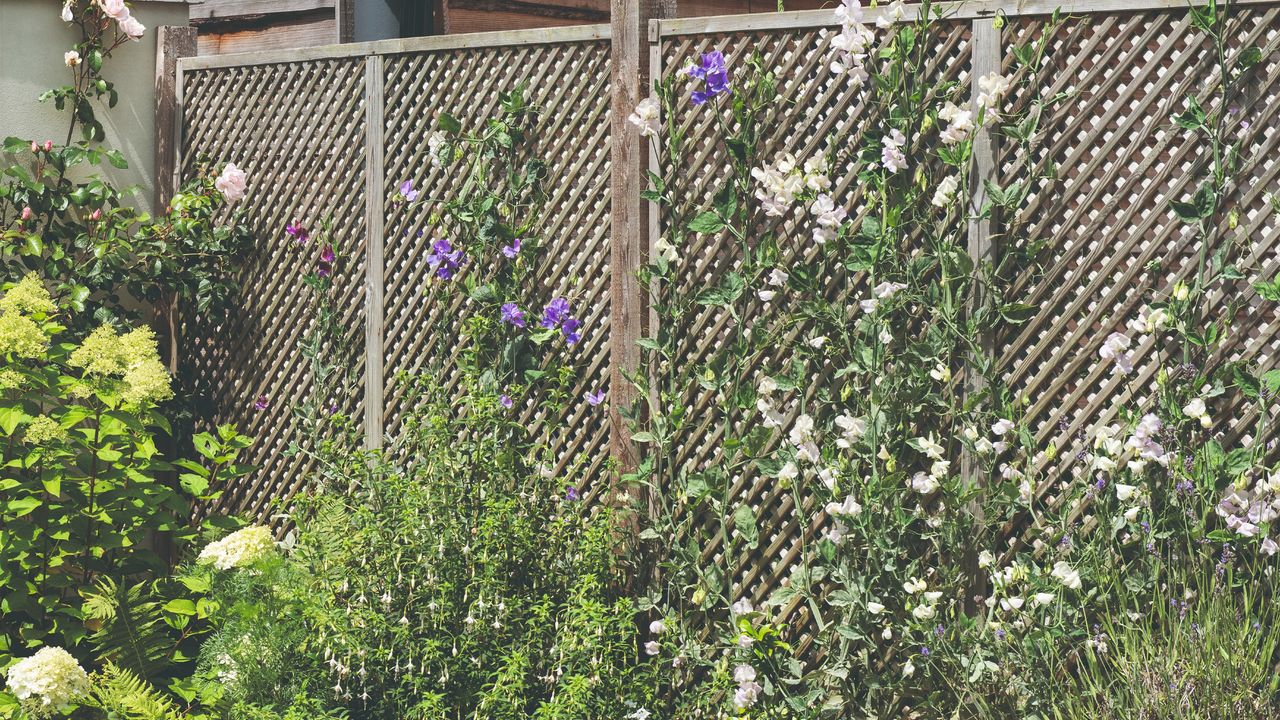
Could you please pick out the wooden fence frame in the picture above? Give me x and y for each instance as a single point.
(635, 230)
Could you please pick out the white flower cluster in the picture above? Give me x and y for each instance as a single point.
(1109, 450)
(645, 117)
(852, 45)
(927, 608)
(880, 293)
(891, 155)
(748, 689)
(1065, 574)
(1247, 510)
(783, 180)
(945, 194)
(959, 123)
(992, 88)
(239, 549)
(828, 217)
(437, 142)
(48, 682)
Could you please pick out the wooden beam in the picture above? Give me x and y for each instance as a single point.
(507, 38)
(961, 10)
(374, 192)
(172, 43)
(238, 9)
(629, 221)
(555, 11)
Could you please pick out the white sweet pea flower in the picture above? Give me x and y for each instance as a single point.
(1196, 410)
(645, 117)
(941, 373)
(817, 342)
(986, 559)
(852, 429)
(891, 156)
(666, 250)
(940, 468)
(945, 193)
(1149, 320)
(848, 508)
(886, 290)
(875, 608)
(924, 612)
(895, 12)
(959, 124)
(743, 607)
(67, 15)
(789, 472)
(992, 88)
(1116, 349)
(924, 483)
(1001, 427)
(766, 295)
(930, 447)
(1042, 599)
(1064, 574)
(1125, 492)
(778, 277)
(915, 585)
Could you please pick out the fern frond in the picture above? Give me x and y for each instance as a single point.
(132, 634)
(122, 694)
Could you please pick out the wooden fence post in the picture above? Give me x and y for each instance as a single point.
(988, 54)
(172, 42)
(374, 192)
(629, 221)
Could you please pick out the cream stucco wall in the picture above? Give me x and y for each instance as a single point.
(32, 41)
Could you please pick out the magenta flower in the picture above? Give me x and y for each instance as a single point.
(512, 314)
(595, 398)
(556, 314)
(325, 266)
(510, 251)
(297, 232)
(571, 332)
(505, 401)
(260, 403)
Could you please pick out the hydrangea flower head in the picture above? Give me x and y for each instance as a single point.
(47, 683)
(241, 548)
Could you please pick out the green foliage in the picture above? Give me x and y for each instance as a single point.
(121, 694)
(1207, 651)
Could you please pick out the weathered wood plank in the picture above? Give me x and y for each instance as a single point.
(221, 10)
(172, 43)
(510, 38)
(629, 221)
(961, 10)
(374, 199)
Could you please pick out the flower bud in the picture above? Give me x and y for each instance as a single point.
(48, 145)
(96, 215)
(35, 147)
(27, 213)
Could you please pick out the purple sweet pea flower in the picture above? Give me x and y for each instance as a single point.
(407, 192)
(511, 313)
(570, 329)
(556, 312)
(711, 70)
(571, 493)
(445, 260)
(297, 232)
(261, 403)
(505, 401)
(512, 250)
(595, 398)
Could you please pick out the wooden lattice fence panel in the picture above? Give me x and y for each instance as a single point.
(569, 85)
(1114, 244)
(297, 129)
(816, 111)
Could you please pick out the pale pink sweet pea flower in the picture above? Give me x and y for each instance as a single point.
(71, 58)
(231, 183)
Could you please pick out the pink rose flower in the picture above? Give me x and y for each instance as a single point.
(131, 27)
(115, 9)
(231, 183)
